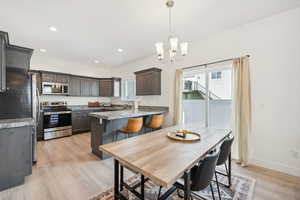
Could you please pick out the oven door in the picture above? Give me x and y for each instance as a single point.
(57, 120)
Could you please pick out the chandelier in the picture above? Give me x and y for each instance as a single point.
(173, 41)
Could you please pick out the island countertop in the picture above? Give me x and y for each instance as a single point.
(111, 115)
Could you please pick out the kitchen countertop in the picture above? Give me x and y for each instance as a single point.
(111, 115)
(82, 107)
(14, 123)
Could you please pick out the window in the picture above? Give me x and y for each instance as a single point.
(216, 75)
(128, 90)
(188, 85)
(210, 102)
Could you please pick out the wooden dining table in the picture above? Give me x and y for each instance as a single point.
(162, 160)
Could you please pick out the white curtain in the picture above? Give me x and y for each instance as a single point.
(178, 97)
(241, 110)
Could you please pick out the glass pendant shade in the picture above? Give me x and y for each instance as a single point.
(173, 44)
(159, 50)
(172, 55)
(184, 48)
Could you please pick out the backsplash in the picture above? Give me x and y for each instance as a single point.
(75, 100)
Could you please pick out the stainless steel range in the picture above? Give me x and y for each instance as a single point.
(57, 120)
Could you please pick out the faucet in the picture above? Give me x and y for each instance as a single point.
(135, 105)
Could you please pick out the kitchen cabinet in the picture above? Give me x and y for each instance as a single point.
(77, 121)
(81, 120)
(110, 87)
(94, 88)
(18, 57)
(16, 155)
(2, 63)
(148, 82)
(48, 77)
(75, 86)
(12, 56)
(60, 78)
(55, 78)
(86, 87)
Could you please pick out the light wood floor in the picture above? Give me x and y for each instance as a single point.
(66, 170)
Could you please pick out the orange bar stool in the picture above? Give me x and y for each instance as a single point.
(134, 125)
(156, 122)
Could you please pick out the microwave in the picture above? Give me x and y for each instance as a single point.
(55, 88)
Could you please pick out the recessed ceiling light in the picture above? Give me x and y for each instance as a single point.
(52, 28)
(43, 50)
(120, 50)
(96, 61)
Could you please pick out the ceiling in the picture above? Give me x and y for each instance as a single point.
(95, 29)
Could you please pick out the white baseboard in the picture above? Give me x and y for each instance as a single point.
(291, 170)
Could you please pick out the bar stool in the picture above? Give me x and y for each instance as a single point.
(134, 125)
(156, 122)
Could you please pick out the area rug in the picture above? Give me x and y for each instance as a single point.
(242, 189)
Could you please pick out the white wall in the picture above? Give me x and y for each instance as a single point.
(274, 46)
(43, 62)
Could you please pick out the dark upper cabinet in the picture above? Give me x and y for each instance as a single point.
(55, 78)
(60, 78)
(84, 87)
(110, 87)
(18, 57)
(75, 86)
(2, 64)
(48, 77)
(94, 88)
(89, 87)
(78, 86)
(12, 56)
(148, 82)
(106, 87)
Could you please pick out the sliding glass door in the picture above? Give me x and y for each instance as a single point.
(207, 97)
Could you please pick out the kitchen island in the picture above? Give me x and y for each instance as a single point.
(105, 124)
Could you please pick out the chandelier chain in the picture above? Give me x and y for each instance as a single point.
(170, 23)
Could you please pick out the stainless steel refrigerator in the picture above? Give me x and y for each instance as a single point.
(36, 112)
(21, 99)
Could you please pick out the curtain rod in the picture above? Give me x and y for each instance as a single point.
(211, 63)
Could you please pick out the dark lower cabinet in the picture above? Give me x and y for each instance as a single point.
(16, 156)
(80, 121)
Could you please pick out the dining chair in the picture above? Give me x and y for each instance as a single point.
(156, 122)
(134, 126)
(225, 156)
(201, 175)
